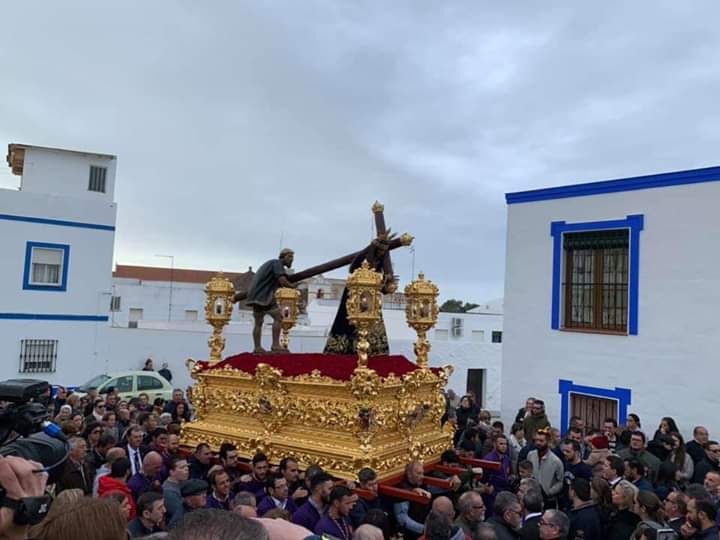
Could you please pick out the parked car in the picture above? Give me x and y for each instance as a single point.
(130, 384)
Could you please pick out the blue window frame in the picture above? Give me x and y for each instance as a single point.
(635, 224)
(28, 285)
(622, 395)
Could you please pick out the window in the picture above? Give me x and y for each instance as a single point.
(38, 355)
(599, 307)
(122, 384)
(496, 336)
(478, 336)
(46, 266)
(441, 334)
(148, 382)
(191, 315)
(115, 303)
(97, 179)
(595, 288)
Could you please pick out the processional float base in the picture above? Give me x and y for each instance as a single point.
(321, 409)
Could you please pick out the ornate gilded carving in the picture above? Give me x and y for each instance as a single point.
(218, 311)
(343, 425)
(364, 306)
(289, 303)
(421, 312)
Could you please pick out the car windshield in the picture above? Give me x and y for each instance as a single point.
(95, 382)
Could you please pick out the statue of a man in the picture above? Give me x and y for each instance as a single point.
(261, 296)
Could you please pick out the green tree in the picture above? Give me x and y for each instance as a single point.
(457, 306)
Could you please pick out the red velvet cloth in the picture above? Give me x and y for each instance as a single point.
(337, 366)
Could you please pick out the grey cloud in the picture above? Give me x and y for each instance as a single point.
(236, 123)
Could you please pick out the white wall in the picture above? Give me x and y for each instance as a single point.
(58, 172)
(671, 366)
(89, 269)
(90, 263)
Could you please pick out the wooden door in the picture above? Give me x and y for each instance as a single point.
(593, 410)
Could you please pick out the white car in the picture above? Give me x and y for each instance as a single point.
(130, 384)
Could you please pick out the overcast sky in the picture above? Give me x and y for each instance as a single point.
(237, 124)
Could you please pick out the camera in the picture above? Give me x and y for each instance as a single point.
(25, 414)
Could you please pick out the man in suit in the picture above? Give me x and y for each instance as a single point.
(533, 503)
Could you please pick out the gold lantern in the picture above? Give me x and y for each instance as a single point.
(421, 311)
(218, 311)
(288, 300)
(364, 306)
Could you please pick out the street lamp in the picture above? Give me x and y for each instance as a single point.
(172, 272)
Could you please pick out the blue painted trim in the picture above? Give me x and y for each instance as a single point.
(59, 222)
(635, 223)
(52, 317)
(565, 388)
(678, 178)
(27, 286)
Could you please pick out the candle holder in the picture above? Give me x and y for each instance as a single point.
(421, 312)
(364, 306)
(288, 300)
(218, 312)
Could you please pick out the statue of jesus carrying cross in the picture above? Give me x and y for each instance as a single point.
(342, 337)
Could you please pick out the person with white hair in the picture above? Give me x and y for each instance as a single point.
(368, 532)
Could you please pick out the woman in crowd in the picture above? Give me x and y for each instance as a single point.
(666, 427)
(64, 414)
(623, 520)
(111, 424)
(650, 509)
(666, 481)
(602, 497)
(78, 420)
(181, 414)
(92, 433)
(681, 458)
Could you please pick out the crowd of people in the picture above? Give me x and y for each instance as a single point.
(126, 476)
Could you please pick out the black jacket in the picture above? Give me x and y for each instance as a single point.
(503, 531)
(622, 525)
(531, 529)
(697, 452)
(585, 520)
(704, 467)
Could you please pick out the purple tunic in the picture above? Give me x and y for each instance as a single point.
(214, 502)
(254, 486)
(268, 503)
(306, 516)
(340, 528)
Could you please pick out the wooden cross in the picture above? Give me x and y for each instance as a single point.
(378, 210)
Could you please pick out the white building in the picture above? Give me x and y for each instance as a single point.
(56, 236)
(611, 295)
(163, 310)
(65, 318)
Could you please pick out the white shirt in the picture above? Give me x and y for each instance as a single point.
(131, 456)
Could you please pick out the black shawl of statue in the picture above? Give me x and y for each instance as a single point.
(343, 335)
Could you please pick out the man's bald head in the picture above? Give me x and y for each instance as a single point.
(152, 462)
(368, 532)
(443, 505)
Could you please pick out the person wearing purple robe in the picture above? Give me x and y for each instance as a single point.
(220, 496)
(501, 480)
(149, 478)
(310, 513)
(255, 481)
(277, 496)
(336, 521)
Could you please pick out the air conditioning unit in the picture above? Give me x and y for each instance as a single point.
(456, 326)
